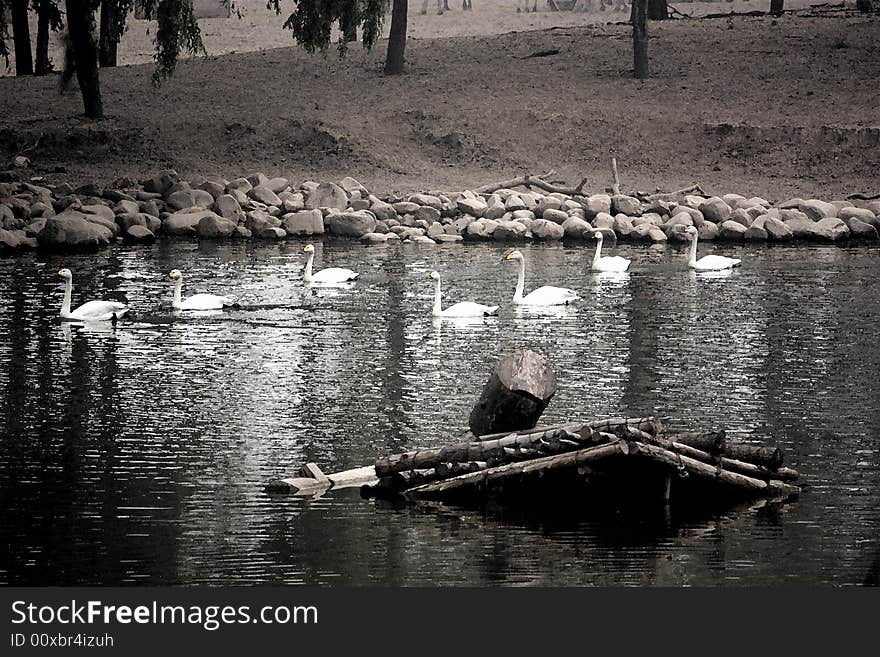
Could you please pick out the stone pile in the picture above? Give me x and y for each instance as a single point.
(259, 207)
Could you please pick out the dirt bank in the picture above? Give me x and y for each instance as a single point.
(749, 105)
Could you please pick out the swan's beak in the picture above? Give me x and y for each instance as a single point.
(60, 274)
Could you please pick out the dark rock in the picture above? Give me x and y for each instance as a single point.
(628, 205)
(715, 210)
(214, 226)
(304, 222)
(350, 224)
(138, 235)
(185, 222)
(328, 195)
(228, 208)
(543, 229)
(74, 230)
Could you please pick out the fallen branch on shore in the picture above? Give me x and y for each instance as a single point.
(528, 181)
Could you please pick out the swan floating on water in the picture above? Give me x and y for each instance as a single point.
(709, 262)
(460, 309)
(546, 295)
(196, 301)
(90, 311)
(607, 263)
(329, 275)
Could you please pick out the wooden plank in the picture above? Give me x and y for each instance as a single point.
(302, 486)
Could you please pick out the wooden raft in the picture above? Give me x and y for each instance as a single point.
(580, 446)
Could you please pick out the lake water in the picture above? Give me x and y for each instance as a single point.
(138, 454)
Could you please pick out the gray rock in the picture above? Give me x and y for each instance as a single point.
(789, 214)
(715, 210)
(214, 188)
(514, 202)
(776, 230)
(294, 202)
(679, 219)
(733, 200)
(448, 239)
(435, 229)
(495, 210)
(12, 240)
(508, 231)
(277, 185)
(874, 206)
(264, 195)
(790, 204)
(127, 207)
(832, 229)
(129, 219)
(228, 208)
(383, 211)
(707, 231)
(426, 199)
(73, 230)
(547, 203)
(481, 229)
(596, 204)
(214, 226)
(190, 198)
(862, 214)
(801, 228)
(628, 205)
(472, 206)
(575, 228)
(99, 211)
(860, 229)
(162, 182)
(623, 225)
(817, 210)
(138, 234)
(603, 220)
(185, 222)
(543, 229)
(350, 185)
(350, 224)
(242, 185)
(33, 229)
(696, 216)
(427, 213)
(556, 216)
(377, 238)
(272, 233)
(755, 233)
(422, 239)
(406, 207)
(242, 232)
(304, 222)
(328, 195)
(257, 179)
(741, 217)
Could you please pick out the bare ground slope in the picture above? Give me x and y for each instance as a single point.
(749, 105)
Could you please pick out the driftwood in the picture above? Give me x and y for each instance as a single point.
(615, 187)
(516, 394)
(863, 197)
(567, 460)
(540, 53)
(674, 196)
(528, 181)
(711, 442)
(649, 424)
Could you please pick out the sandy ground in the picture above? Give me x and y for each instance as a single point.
(749, 105)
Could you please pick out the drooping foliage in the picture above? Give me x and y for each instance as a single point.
(4, 30)
(311, 21)
(177, 30)
(113, 17)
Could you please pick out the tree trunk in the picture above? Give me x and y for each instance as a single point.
(516, 394)
(658, 10)
(21, 35)
(640, 38)
(108, 40)
(43, 66)
(396, 39)
(81, 25)
(776, 7)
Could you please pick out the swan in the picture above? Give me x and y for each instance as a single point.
(329, 275)
(543, 296)
(460, 309)
(196, 301)
(709, 262)
(607, 263)
(90, 311)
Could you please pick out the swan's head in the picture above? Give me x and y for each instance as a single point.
(597, 235)
(175, 274)
(434, 276)
(309, 248)
(65, 274)
(690, 231)
(512, 255)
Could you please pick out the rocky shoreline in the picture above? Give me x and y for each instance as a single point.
(61, 217)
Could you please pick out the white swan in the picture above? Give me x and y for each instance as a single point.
(329, 275)
(709, 262)
(607, 263)
(460, 309)
(543, 296)
(90, 311)
(196, 301)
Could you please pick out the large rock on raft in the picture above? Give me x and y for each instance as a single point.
(185, 222)
(214, 226)
(628, 205)
(546, 230)
(190, 198)
(305, 222)
(715, 210)
(73, 230)
(328, 195)
(350, 224)
(515, 395)
(818, 210)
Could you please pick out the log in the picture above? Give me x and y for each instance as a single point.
(615, 187)
(309, 486)
(648, 424)
(567, 460)
(769, 457)
(676, 195)
(700, 469)
(712, 442)
(516, 394)
(528, 181)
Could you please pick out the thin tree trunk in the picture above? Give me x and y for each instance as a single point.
(21, 35)
(81, 25)
(108, 40)
(43, 66)
(640, 38)
(776, 7)
(396, 39)
(658, 10)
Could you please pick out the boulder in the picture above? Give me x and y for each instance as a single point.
(277, 185)
(628, 205)
(12, 240)
(514, 202)
(776, 230)
(383, 211)
(426, 199)
(125, 221)
(603, 220)
(127, 207)
(832, 229)
(350, 185)
(755, 233)
(818, 210)
(548, 203)
(328, 195)
(98, 211)
(350, 224)
(715, 210)
(860, 229)
(228, 208)
(377, 238)
(788, 214)
(185, 222)
(73, 230)
(790, 204)
(862, 214)
(304, 222)
(546, 230)
(471, 205)
(696, 216)
(481, 229)
(731, 230)
(801, 228)
(214, 226)
(445, 239)
(264, 195)
(556, 216)
(427, 213)
(707, 231)
(213, 187)
(509, 231)
(190, 198)
(138, 234)
(272, 233)
(623, 225)
(162, 182)
(596, 204)
(741, 217)
(575, 228)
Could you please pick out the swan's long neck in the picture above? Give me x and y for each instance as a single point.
(520, 283)
(68, 291)
(307, 275)
(598, 251)
(693, 259)
(178, 285)
(438, 307)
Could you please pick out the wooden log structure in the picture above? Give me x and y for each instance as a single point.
(517, 392)
(649, 424)
(313, 482)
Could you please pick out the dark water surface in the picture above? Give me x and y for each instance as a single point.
(139, 454)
